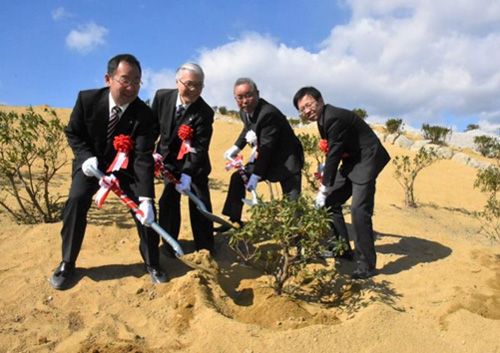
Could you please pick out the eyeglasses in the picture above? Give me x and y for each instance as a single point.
(307, 106)
(127, 82)
(249, 96)
(191, 85)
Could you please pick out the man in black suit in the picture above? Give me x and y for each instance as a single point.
(90, 136)
(280, 156)
(363, 157)
(177, 111)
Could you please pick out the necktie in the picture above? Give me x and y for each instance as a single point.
(179, 112)
(113, 121)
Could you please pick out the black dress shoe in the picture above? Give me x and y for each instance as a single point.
(63, 276)
(363, 273)
(156, 274)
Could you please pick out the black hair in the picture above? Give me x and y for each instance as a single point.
(304, 91)
(116, 60)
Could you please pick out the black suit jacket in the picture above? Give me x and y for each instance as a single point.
(280, 151)
(348, 134)
(87, 137)
(200, 117)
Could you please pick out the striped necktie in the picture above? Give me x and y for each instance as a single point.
(179, 112)
(113, 121)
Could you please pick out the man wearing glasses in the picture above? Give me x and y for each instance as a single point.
(352, 142)
(185, 132)
(279, 157)
(98, 116)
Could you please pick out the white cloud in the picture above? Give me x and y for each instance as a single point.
(153, 81)
(60, 13)
(419, 60)
(86, 37)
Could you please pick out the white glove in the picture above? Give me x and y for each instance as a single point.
(89, 165)
(184, 183)
(146, 206)
(321, 196)
(232, 152)
(251, 138)
(252, 182)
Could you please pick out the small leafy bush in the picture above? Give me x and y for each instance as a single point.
(361, 113)
(394, 126)
(437, 134)
(488, 181)
(310, 145)
(295, 228)
(486, 145)
(31, 153)
(471, 127)
(294, 122)
(406, 171)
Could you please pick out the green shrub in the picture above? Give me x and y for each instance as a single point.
(436, 134)
(361, 113)
(223, 110)
(471, 127)
(31, 152)
(310, 145)
(406, 171)
(295, 229)
(486, 145)
(488, 181)
(294, 122)
(394, 126)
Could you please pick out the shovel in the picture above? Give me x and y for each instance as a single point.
(138, 213)
(199, 204)
(238, 164)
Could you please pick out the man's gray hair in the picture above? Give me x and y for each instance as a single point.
(246, 80)
(194, 68)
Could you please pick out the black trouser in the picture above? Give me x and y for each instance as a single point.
(75, 220)
(233, 205)
(170, 213)
(363, 198)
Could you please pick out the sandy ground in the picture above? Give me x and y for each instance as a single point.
(438, 289)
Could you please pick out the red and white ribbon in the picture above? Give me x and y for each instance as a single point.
(234, 163)
(185, 133)
(106, 182)
(123, 145)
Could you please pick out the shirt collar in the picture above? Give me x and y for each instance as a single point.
(179, 102)
(112, 104)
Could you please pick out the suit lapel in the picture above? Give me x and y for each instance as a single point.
(321, 124)
(128, 121)
(189, 113)
(101, 117)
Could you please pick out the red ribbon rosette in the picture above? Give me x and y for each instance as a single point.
(323, 145)
(123, 144)
(185, 133)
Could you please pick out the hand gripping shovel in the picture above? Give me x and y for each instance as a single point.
(199, 204)
(135, 208)
(238, 164)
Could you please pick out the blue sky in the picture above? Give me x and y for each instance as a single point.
(419, 60)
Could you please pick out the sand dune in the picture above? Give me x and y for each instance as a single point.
(438, 289)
